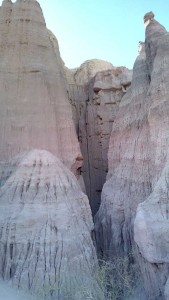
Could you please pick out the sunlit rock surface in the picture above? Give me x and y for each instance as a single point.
(35, 111)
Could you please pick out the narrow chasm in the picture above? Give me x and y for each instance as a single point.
(95, 102)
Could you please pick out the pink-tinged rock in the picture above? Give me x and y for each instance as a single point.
(45, 230)
(138, 164)
(151, 226)
(35, 111)
(128, 179)
(95, 95)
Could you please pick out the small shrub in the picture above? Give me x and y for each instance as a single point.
(117, 278)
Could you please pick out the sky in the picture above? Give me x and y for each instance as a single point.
(102, 29)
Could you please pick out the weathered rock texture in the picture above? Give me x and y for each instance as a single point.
(152, 215)
(151, 233)
(138, 167)
(127, 165)
(45, 219)
(35, 111)
(45, 230)
(88, 70)
(95, 95)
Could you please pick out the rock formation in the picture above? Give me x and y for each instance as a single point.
(152, 215)
(45, 230)
(95, 91)
(151, 233)
(88, 70)
(35, 112)
(46, 227)
(138, 167)
(45, 220)
(78, 80)
(128, 165)
(8, 293)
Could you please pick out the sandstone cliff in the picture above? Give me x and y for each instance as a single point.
(138, 160)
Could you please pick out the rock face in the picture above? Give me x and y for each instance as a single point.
(8, 293)
(138, 167)
(152, 215)
(35, 112)
(45, 230)
(151, 223)
(46, 227)
(128, 167)
(95, 96)
(83, 74)
(45, 220)
(151, 229)
(78, 85)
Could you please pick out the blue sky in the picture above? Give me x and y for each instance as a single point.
(103, 29)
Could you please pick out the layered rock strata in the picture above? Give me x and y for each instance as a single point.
(128, 180)
(138, 159)
(95, 95)
(45, 230)
(45, 220)
(152, 215)
(35, 111)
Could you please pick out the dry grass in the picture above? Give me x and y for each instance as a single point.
(113, 280)
(118, 278)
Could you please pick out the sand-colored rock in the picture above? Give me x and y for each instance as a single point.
(105, 93)
(118, 78)
(151, 233)
(153, 213)
(138, 167)
(45, 230)
(45, 220)
(128, 157)
(95, 103)
(35, 111)
(152, 223)
(88, 70)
